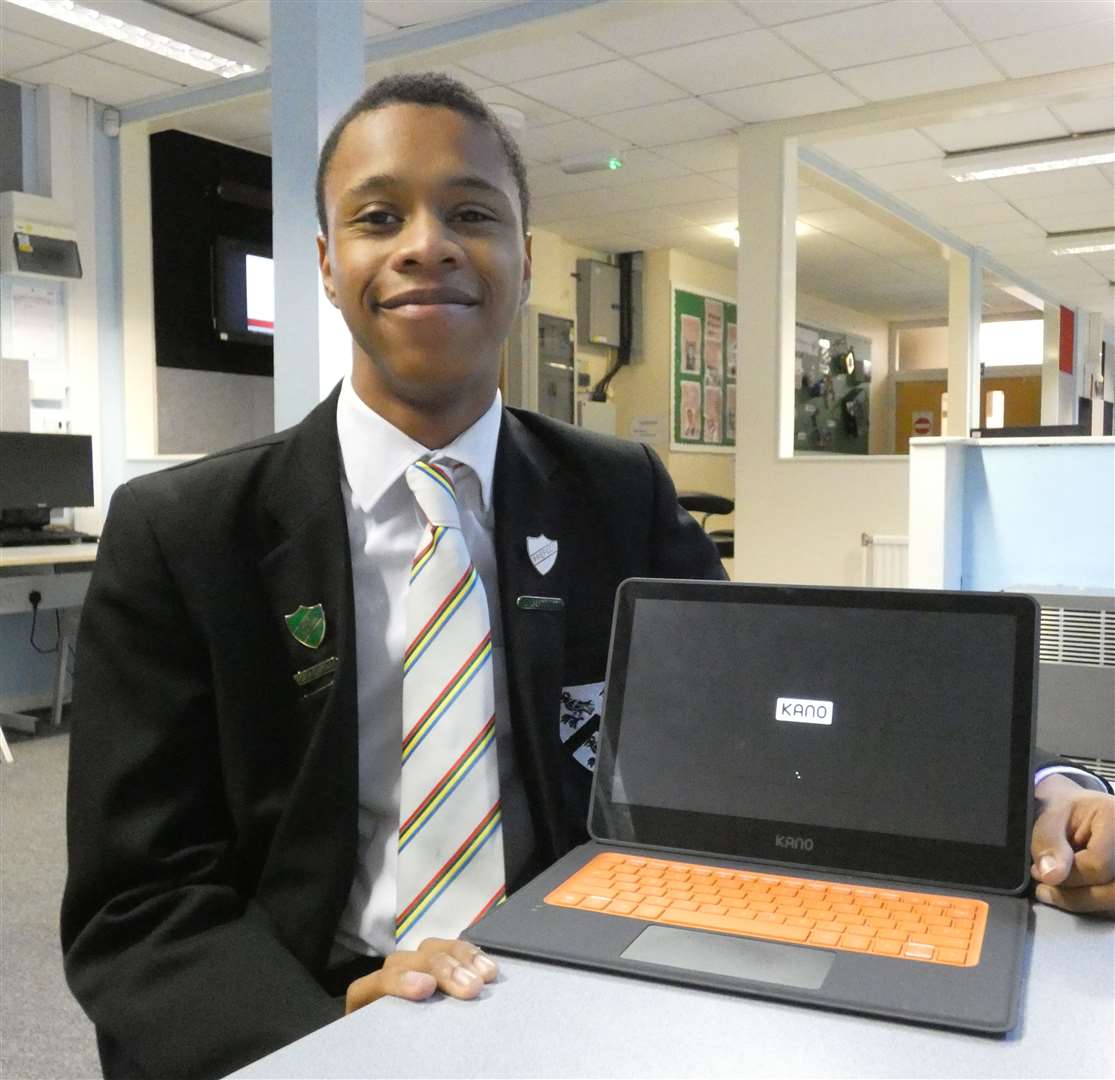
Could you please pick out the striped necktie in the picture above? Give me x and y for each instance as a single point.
(450, 868)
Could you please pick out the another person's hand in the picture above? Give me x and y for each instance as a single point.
(457, 968)
(1073, 846)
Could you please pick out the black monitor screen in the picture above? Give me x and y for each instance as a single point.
(45, 470)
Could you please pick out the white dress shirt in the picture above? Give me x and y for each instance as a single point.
(384, 530)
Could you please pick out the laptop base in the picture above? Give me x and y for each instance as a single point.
(984, 999)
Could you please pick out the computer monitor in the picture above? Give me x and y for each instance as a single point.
(38, 472)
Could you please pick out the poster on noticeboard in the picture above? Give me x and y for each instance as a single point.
(703, 383)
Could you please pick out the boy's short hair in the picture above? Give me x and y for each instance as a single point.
(422, 88)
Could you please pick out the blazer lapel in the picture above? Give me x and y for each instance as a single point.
(307, 575)
(532, 500)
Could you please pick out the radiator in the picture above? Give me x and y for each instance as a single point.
(886, 561)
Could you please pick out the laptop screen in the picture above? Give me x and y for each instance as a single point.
(875, 731)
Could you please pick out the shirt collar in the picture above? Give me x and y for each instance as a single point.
(375, 453)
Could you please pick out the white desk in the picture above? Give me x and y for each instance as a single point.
(544, 1020)
(60, 573)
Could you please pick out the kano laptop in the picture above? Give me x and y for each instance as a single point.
(819, 795)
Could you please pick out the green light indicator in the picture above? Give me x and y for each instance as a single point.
(615, 163)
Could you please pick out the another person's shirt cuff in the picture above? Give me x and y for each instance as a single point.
(1079, 776)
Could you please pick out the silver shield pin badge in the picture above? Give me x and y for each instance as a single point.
(543, 552)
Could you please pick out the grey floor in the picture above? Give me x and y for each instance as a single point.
(44, 1035)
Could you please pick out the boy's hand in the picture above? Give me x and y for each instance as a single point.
(457, 968)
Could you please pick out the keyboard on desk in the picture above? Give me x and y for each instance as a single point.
(876, 920)
(26, 537)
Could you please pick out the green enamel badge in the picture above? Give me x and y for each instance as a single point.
(307, 625)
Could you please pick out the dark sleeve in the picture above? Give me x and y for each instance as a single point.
(680, 547)
(178, 968)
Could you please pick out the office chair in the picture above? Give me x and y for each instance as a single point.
(704, 502)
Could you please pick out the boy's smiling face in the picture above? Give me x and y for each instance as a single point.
(427, 262)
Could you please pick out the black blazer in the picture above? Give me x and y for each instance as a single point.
(212, 801)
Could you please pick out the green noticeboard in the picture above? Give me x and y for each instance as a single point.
(704, 373)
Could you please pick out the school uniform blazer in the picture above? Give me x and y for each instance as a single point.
(212, 799)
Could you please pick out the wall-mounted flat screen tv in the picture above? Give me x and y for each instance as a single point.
(243, 291)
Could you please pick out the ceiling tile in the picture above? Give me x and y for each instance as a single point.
(879, 32)
(710, 212)
(604, 88)
(909, 176)
(409, 13)
(996, 130)
(547, 180)
(789, 97)
(631, 223)
(728, 178)
(774, 12)
(1079, 46)
(21, 51)
(598, 238)
(865, 151)
(556, 141)
(1062, 182)
(987, 20)
(249, 19)
(654, 124)
(1099, 203)
(703, 155)
(544, 55)
(251, 117)
(45, 28)
(1070, 220)
(1103, 261)
(133, 59)
(98, 79)
(678, 24)
(1002, 235)
(380, 68)
(929, 200)
(756, 56)
(629, 197)
(992, 213)
(927, 73)
(1095, 115)
(535, 112)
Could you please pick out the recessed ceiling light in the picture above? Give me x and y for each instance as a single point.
(150, 37)
(1044, 155)
(1081, 241)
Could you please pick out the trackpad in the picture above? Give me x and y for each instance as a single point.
(738, 958)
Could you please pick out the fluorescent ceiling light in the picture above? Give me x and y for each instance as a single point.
(729, 230)
(1081, 241)
(1071, 152)
(158, 31)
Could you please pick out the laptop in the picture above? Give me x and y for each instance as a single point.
(818, 795)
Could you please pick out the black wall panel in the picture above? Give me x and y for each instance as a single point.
(201, 190)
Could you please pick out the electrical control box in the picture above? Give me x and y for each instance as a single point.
(597, 303)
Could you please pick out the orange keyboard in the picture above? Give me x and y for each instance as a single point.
(880, 921)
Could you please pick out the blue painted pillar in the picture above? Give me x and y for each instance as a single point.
(317, 69)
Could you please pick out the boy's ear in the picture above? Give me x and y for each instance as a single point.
(524, 292)
(326, 269)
